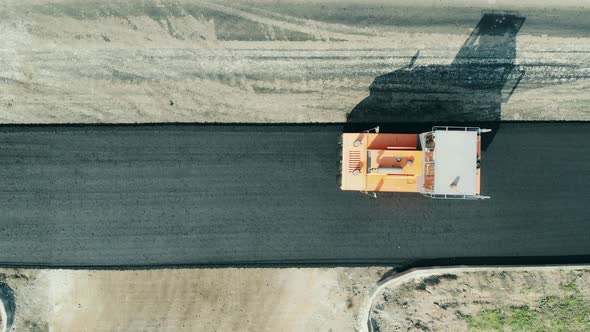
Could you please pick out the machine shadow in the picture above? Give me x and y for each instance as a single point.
(468, 92)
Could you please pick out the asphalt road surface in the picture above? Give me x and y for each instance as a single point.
(213, 194)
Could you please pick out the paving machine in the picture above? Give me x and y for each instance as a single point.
(441, 163)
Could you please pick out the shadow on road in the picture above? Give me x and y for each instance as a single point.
(469, 91)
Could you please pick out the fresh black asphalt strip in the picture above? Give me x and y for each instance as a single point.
(249, 194)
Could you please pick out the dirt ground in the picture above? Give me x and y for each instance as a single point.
(539, 299)
(313, 299)
(227, 299)
(263, 61)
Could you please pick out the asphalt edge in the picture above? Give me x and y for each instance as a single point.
(260, 124)
(400, 264)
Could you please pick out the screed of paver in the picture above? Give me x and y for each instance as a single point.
(191, 299)
(484, 299)
(143, 61)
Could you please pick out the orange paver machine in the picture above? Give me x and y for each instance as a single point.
(442, 163)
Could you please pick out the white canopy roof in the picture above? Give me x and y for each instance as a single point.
(455, 166)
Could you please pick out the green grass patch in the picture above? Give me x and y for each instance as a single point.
(566, 313)
(568, 286)
(570, 283)
(517, 319)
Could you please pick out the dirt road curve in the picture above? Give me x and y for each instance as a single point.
(199, 194)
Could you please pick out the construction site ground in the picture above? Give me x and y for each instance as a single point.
(65, 61)
(150, 61)
(311, 299)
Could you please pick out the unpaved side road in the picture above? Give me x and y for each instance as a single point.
(265, 61)
(190, 299)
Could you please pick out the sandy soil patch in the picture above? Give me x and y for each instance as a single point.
(190, 299)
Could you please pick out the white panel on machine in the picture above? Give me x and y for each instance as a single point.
(455, 167)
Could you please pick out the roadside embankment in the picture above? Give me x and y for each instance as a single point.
(526, 298)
